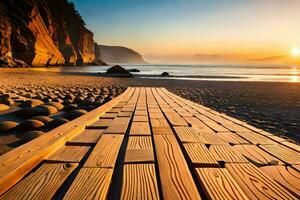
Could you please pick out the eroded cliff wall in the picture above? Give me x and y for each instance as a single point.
(44, 33)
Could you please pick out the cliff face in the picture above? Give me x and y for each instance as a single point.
(118, 54)
(44, 33)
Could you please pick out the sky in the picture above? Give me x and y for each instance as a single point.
(195, 31)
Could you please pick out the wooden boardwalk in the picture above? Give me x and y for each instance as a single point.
(149, 143)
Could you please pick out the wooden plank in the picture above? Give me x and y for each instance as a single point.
(138, 118)
(87, 137)
(291, 145)
(218, 184)
(225, 153)
(139, 142)
(105, 152)
(198, 125)
(283, 153)
(232, 138)
(256, 155)
(160, 127)
(124, 114)
(69, 154)
(212, 124)
(109, 116)
(100, 124)
(41, 184)
(256, 184)
(141, 113)
(286, 176)
(139, 182)
(237, 128)
(213, 138)
(199, 155)
(175, 176)
(256, 138)
(175, 119)
(115, 110)
(90, 183)
(188, 134)
(139, 156)
(18, 162)
(157, 115)
(118, 126)
(140, 128)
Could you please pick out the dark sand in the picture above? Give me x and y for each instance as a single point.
(274, 107)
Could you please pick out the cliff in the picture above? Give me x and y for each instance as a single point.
(43, 33)
(119, 54)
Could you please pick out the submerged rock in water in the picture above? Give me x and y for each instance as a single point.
(117, 69)
(134, 70)
(165, 74)
(7, 125)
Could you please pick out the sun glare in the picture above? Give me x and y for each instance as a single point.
(295, 51)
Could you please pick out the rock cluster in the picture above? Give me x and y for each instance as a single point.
(39, 109)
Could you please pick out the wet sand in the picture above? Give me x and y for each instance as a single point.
(274, 107)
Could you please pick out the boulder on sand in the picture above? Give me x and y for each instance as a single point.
(29, 125)
(73, 114)
(3, 107)
(118, 70)
(7, 125)
(30, 135)
(165, 74)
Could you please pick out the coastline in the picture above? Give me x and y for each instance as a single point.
(271, 106)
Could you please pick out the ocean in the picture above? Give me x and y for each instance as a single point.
(205, 72)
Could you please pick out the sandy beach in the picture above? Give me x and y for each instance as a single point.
(34, 102)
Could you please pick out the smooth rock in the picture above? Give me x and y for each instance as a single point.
(7, 125)
(8, 102)
(57, 105)
(30, 135)
(43, 119)
(56, 123)
(165, 74)
(73, 114)
(29, 125)
(32, 103)
(3, 107)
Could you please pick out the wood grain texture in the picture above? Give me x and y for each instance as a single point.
(87, 137)
(283, 153)
(256, 155)
(114, 110)
(109, 116)
(41, 184)
(139, 182)
(291, 145)
(237, 128)
(176, 179)
(139, 118)
(199, 155)
(285, 176)
(69, 154)
(212, 124)
(175, 119)
(256, 138)
(139, 142)
(18, 162)
(232, 138)
(198, 125)
(100, 124)
(141, 113)
(139, 156)
(118, 126)
(90, 184)
(105, 152)
(156, 115)
(188, 134)
(218, 184)
(227, 154)
(213, 138)
(124, 114)
(256, 184)
(160, 127)
(140, 128)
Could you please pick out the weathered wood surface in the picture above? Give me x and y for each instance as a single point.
(149, 143)
(41, 184)
(90, 183)
(218, 184)
(139, 182)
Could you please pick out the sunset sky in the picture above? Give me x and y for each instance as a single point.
(197, 30)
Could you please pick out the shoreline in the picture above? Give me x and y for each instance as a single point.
(274, 107)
